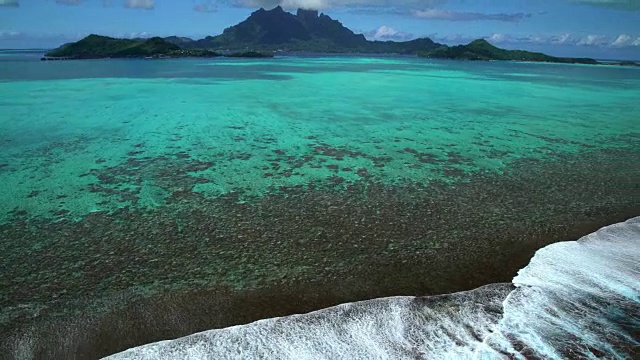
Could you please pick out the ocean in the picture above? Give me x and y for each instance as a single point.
(147, 200)
(575, 299)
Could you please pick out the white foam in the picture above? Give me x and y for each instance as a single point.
(571, 300)
(574, 296)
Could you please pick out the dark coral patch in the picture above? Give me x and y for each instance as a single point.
(453, 172)
(337, 180)
(34, 193)
(428, 158)
(19, 213)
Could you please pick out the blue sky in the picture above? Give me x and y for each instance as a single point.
(594, 28)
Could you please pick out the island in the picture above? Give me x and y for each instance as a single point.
(482, 50)
(101, 47)
(276, 31)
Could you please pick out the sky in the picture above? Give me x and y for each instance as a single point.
(603, 29)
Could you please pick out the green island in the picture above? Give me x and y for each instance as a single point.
(482, 50)
(268, 32)
(101, 47)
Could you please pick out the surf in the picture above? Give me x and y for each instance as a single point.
(575, 299)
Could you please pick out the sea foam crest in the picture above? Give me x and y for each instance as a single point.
(577, 299)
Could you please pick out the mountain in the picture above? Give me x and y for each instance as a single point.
(266, 31)
(482, 50)
(307, 30)
(179, 40)
(276, 28)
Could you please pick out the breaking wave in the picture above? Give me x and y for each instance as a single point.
(576, 299)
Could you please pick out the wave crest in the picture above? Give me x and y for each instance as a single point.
(577, 299)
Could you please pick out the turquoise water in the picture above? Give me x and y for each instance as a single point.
(72, 131)
(135, 192)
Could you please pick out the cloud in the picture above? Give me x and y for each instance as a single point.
(206, 6)
(553, 40)
(497, 38)
(381, 6)
(618, 4)
(386, 33)
(11, 3)
(562, 39)
(594, 40)
(439, 14)
(624, 40)
(327, 4)
(139, 4)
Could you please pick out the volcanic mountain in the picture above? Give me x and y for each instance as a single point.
(267, 31)
(307, 30)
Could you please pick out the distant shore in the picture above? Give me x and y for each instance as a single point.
(246, 54)
(252, 54)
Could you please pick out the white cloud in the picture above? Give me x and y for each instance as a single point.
(625, 40)
(385, 33)
(622, 40)
(593, 40)
(140, 4)
(562, 39)
(439, 14)
(497, 38)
